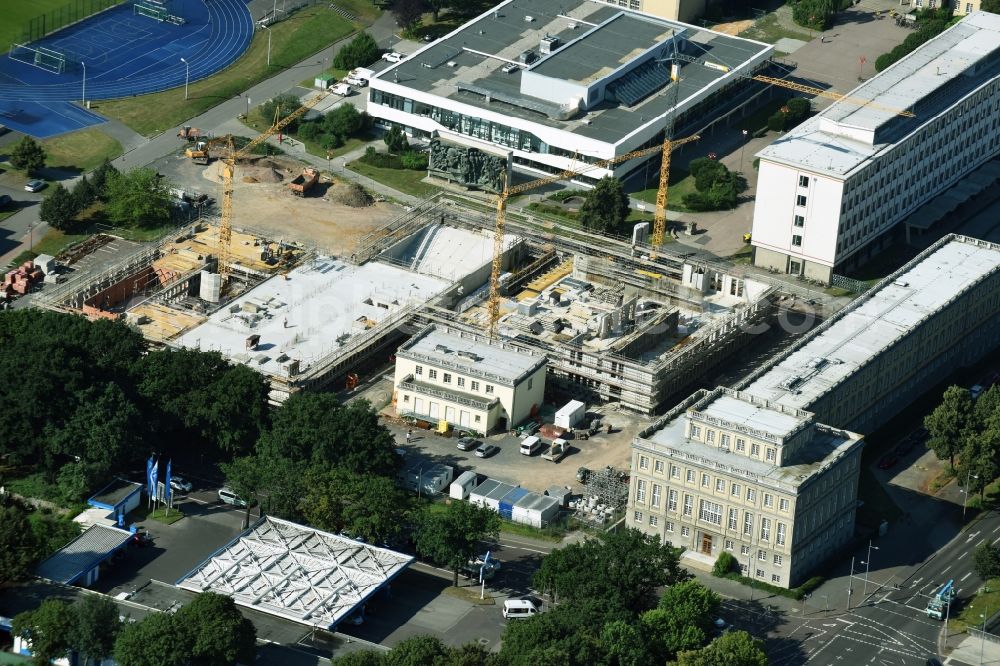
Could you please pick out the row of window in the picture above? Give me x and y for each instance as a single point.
(446, 378)
(736, 490)
(724, 440)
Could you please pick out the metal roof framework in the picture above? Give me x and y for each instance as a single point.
(296, 572)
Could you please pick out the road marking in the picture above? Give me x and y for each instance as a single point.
(963, 554)
(847, 622)
(914, 583)
(981, 542)
(964, 577)
(972, 536)
(996, 529)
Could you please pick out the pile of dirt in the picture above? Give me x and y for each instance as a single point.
(250, 179)
(263, 172)
(353, 195)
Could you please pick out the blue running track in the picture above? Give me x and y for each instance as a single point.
(124, 55)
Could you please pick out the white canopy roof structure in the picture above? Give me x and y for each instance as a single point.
(296, 572)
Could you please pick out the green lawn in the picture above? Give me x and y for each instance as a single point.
(16, 15)
(84, 150)
(54, 242)
(303, 34)
(769, 30)
(681, 183)
(333, 72)
(983, 603)
(404, 180)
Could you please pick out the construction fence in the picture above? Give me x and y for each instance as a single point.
(60, 17)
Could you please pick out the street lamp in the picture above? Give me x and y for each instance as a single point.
(868, 564)
(750, 572)
(187, 72)
(850, 584)
(84, 65)
(742, 146)
(965, 492)
(248, 107)
(268, 44)
(982, 646)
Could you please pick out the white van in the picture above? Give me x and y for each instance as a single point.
(529, 445)
(341, 89)
(518, 609)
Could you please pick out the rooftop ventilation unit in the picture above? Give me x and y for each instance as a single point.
(470, 355)
(443, 349)
(529, 19)
(528, 57)
(817, 362)
(790, 383)
(549, 44)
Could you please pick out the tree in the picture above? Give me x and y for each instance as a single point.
(724, 563)
(245, 477)
(96, 626)
(345, 121)
(27, 155)
(99, 177)
(155, 641)
(605, 207)
(948, 422)
(416, 651)
(395, 140)
(735, 648)
(569, 633)
(138, 198)
(372, 507)
(17, 541)
(992, 6)
(361, 658)
(408, 13)
(59, 209)
(452, 537)
(359, 52)
(621, 569)
(706, 172)
(986, 561)
(84, 193)
(49, 627)
(682, 619)
(279, 107)
(219, 634)
(625, 644)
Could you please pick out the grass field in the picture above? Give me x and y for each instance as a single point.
(84, 150)
(404, 180)
(680, 184)
(303, 34)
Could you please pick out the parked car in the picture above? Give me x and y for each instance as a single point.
(180, 485)
(5, 201)
(487, 450)
(392, 56)
(583, 475)
(34, 185)
(887, 461)
(227, 496)
(468, 444)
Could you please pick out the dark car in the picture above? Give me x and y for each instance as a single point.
(468, 443)
(583, 475)
(5, 201)
(180, 485)
(487, 450)
(887, 461)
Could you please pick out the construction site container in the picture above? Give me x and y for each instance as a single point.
(211, 287)
(560, 493)
(429, 479)
(323, 81)
(570, 414)
(46, 262)
(506, 506)
(534, 509)
(463, 485)
(551, 431)
(489, 493)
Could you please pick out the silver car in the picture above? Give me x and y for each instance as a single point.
(34, 185)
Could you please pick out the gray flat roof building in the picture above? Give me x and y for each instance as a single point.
(80, 558)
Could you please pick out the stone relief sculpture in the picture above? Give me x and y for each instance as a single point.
(470, 167)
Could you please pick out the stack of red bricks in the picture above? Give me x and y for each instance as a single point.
(22, 279)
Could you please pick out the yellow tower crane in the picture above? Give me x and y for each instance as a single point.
(493, 303)
(228, 172)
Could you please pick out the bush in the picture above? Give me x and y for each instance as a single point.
(395, 140)
(414, 160)
(776, 122)
(280, 106)
(359, 52)
(59, 209)
(798, 109)
(724, 564)
(27, 155)
(310, 131)
(381, 160)
(813, 14)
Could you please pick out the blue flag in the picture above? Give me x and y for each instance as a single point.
(153, 476)
(166, 481)
(149, 476)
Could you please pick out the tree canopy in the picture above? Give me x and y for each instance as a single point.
(452, 537)
(359, 52)
(27, 155)
(137, 198)
(59, 209)
(949, 422)
(49, 627)
(605, 207)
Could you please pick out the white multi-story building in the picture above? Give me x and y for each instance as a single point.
(558, 83)
(472, 383)
(676, 10)
(730, 472)
(960, 6)
(832, 192)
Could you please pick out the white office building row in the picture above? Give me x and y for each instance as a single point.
(834, 190)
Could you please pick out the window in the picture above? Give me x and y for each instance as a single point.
(433, 374)
(748, 524)
(637, 516)
(783, 504)
(461, 382)
(740, 445)
(735, 490)
(672, 500)
(643, 462)
(765, 529)
(751, 495)
(489, 389)
(652, 521)
(478, 418)
(690, 476)
(658, 467)
(800, 200)
(797, 241)
(720, 485)
(755, 450)
(705, 481)
(771, 454)
(695, 432)
(803, 181)
(733, 518)
(447, 378)
(668, 526)
(710, 512)
(710, 436)
(768, 500)
(655, 499)
(779, 537)
(675, 472)
(688, 505)
(760, 573)
(475, 385)
(724, 442)
(419, 370)
(775, 578)
(800, 221)
(744, 550)
(685, 530)
(762, 555)
(640, 491)
(531, 381)
(777, 560)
